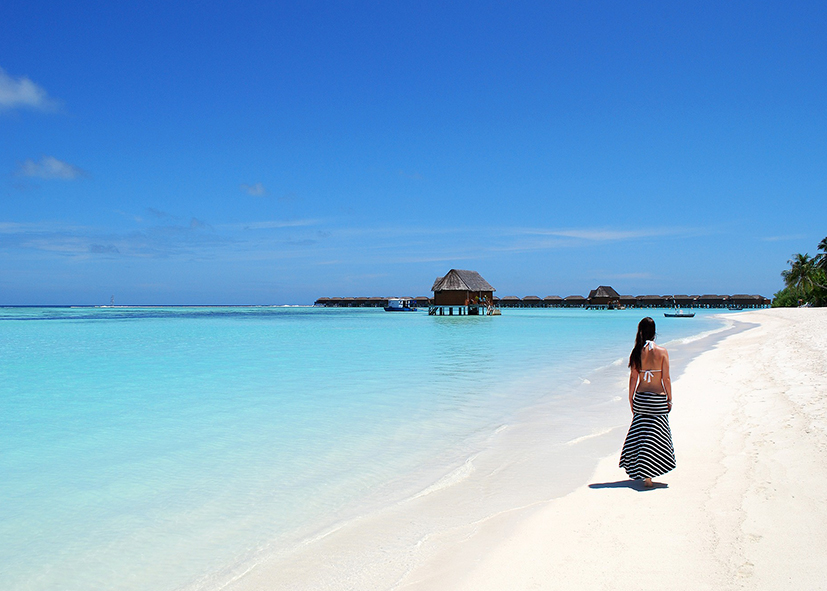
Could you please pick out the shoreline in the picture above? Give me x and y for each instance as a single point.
(745, 508)
(385, 549)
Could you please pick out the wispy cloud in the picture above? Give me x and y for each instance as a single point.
(782, 238)
(272, 224)
(193, 239)
(531, 239)
(103, 249)
(256, 190)
(158, 214)
(49, 167)
(603, 234)
(23, 93)
(316, 241)
(39, 227)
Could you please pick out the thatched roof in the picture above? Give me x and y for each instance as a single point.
(603, 291)
(531, 299)
(459, 280)
(574, 298)
(552, 299)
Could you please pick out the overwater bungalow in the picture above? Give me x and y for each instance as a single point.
(464, 291)
(713, 301)
(532, 302)
(651, 301)
(684, 301)
(741, 300)
(552, 302)
(628, 301)
(574, 301)
(603, 297)
(510, 301)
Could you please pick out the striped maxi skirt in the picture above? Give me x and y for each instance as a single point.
(647, 451)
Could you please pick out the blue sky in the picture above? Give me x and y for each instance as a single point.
(273, 153)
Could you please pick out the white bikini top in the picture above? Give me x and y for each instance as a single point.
(649, 374)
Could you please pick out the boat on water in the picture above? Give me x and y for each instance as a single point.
(400, 305)
(678, 313)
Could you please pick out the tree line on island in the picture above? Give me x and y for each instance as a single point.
(805, 280)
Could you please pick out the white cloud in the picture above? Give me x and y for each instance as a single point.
(605, 234)
(49, 167)
(103, 249)
(782, 238)
(273, 225)
(256, 190)
(22, 92)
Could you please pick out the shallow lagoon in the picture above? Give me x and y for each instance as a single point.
(150, 448)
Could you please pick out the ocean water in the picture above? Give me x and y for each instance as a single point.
(151, 448)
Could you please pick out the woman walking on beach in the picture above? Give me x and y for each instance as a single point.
(648, 450)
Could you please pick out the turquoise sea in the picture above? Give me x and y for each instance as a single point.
(151, 448)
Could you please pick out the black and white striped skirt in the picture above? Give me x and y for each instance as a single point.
(647, 451)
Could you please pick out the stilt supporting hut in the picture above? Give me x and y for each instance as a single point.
(462, 293)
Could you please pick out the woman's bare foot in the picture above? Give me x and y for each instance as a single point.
(647, 482)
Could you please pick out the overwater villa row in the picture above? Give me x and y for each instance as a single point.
(576, 301)
(469, 294)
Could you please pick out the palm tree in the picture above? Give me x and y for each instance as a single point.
(821, 258)
(802, 273)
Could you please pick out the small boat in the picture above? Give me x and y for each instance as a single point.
(400, 305)
(678, 313)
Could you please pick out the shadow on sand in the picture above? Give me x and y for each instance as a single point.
(633, 484)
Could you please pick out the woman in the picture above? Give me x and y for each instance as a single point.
(648, 450)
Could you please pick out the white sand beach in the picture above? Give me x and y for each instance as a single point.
(746, 507)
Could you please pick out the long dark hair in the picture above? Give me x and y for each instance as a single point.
(645, 332)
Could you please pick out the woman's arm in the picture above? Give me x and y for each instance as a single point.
(633, 377)
(666, 377)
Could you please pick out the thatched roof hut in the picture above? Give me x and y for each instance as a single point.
(510, 302)
(628, 300)
(574, 301)
(650, 301)
(684, 301)
(460, 287)
(603, 296)
(532, 302)
(746, 301)
(552, 301)
(710, 300)
(460, 280)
